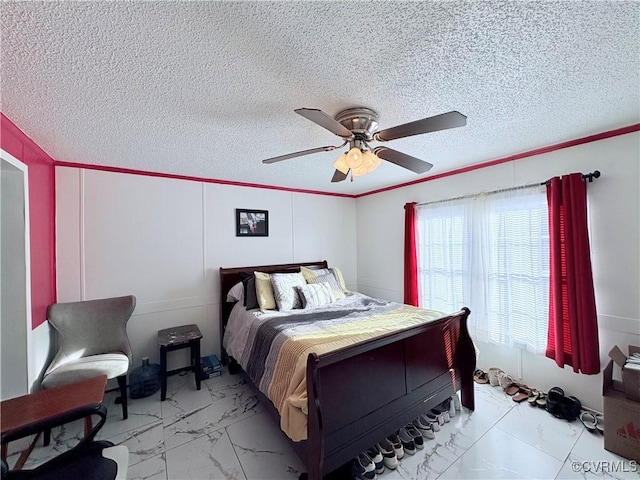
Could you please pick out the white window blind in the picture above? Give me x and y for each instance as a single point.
(489, 252)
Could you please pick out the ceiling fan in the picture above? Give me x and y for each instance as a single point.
(359, 126)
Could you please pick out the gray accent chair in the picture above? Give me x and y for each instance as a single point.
(92, 340)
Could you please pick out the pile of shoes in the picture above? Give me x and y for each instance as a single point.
(566, 407)
(407, 440)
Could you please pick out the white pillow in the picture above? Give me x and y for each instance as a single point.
(236, 294)
(284, 290)
(316, 294)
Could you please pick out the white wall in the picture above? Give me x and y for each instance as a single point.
(164, 240)
(614, 205)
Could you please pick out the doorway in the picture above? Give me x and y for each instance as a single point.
(15, 278)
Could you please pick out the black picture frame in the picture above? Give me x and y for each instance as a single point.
(252, 223)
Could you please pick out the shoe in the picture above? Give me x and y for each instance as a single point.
(523, 394)
(493, 376)
(397, 445)
(456, 402)
(438, 416)
(533, 396)
(416, 435)
(480, 376)
(408, 444)
(425, 427)
(554, 398)
(376, 456)
(541, 401)
(589, 421)
(570, 408)
(389, 457)
(433, 419)
(600, 423)
(363, 468)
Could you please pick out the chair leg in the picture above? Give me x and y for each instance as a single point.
(122, 383)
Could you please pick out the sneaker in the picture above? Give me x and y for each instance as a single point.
(443, 408)
(389, 457)
(433, 419)
(456, 402)
(424, 427)
(439, 416)
(363, 468)
(397, 445)
(408, 444)
(416, 435)
(376, 456)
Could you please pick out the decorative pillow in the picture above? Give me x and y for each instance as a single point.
(329, 279)
(315, 295)
(264, 291)
(236, 293)
(338, 274)
(250, 297)
(284, 290)
(309, 273)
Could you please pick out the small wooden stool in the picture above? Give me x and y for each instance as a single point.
(175, 338)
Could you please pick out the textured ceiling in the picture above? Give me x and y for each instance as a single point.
(208, 89)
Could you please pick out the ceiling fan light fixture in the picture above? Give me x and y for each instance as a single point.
(341, 164)
(370, 161)
(354, 158)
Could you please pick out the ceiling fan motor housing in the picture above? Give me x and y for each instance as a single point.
(363, 122)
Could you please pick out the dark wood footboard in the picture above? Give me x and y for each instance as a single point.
(360, 394)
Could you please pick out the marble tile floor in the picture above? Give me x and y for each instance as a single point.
(222, 432)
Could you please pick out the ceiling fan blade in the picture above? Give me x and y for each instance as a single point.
(402, 159)
(338, 176)
(299, 154)
(325, 121)
(426, 125)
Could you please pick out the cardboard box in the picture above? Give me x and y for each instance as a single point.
(621, 418)
(630, 378)
(210, 367)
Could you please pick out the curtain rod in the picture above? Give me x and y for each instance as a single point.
(587, 177)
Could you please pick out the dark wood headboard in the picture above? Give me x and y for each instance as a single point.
(230, 276)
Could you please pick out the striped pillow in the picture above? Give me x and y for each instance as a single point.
(330, 279)
(316, 295)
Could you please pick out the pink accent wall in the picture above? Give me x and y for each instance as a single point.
(42, 215)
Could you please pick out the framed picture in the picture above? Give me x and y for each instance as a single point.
(252, 223)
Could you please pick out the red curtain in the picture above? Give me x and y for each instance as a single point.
(410, 255)
(572, 338)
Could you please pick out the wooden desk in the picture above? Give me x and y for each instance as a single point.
(18, 415)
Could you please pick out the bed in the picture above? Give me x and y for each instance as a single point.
(359, 393)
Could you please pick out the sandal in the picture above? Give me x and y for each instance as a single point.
(541, 401)
(600, 423)
(493, 376)
(533, 396)
(522, 395)
(480, 376)
(506, 381)
(589, 421)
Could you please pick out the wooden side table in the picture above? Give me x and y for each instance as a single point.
(175, 338)
(66, 403)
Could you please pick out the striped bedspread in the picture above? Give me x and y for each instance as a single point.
(277, 345)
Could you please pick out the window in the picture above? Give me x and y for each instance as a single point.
(490, 253)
